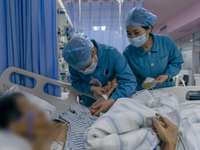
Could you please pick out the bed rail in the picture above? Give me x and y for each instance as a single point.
(63, 104)
(38, 90)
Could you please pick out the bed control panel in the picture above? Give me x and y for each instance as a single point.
(193, 95)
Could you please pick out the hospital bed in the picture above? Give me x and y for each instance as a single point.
(56, 104)
(64, 103)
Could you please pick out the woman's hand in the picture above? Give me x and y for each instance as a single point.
(92, 110)
(98, 90)
(167, 132)
(103, 106)
(101, 99)
(110, 85)
(162, 78)
(114, 83)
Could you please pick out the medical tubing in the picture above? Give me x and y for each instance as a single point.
(55, 137)
(181, 139)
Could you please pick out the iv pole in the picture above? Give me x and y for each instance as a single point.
(80, 30)
(120, 22)
(120, 17)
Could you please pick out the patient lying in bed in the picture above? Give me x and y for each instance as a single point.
(63, 133)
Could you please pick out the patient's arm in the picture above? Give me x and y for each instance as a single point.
(114, 84)
(112, 87)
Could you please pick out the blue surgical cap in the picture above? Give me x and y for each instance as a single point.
(77, 52)
(139, 16)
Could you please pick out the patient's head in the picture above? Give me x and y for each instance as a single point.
(20, 116)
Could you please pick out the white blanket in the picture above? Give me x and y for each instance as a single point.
(123, 126)
(192, 110)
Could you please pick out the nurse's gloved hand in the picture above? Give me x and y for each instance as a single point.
(161, 78)
(167, 132)
(103, 106)
(98, 90)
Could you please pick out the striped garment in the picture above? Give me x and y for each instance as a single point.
(78, 120)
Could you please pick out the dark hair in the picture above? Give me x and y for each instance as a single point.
(8, 109)
(145, 27)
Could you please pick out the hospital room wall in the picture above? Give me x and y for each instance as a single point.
(190, 48)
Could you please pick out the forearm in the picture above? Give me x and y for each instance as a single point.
(172, 70)
(108, 93)
(127, 85)
(169, 143)
(168, 146)
(124, 90)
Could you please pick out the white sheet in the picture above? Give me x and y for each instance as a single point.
(123, 126)
(192, 110)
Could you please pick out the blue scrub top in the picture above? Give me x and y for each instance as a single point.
(116, 66)
(164, 59)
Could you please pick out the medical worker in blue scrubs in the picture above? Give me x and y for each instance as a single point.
(91, 62)
(150, 55)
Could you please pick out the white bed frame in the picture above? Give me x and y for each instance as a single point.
(63, 104)
(38, 90)
(181, 91)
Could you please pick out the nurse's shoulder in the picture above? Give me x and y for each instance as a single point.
(165, 44)
(164, 39)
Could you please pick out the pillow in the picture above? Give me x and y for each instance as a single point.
(9, 141)
(50, 110)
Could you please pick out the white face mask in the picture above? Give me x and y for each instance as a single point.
(90, 69)
(139, 41)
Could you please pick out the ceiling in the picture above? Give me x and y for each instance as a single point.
(167, 9)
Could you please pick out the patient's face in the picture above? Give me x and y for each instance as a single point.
(32, 120)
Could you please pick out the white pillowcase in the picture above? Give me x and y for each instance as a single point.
(42, 104)
(9, 141)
